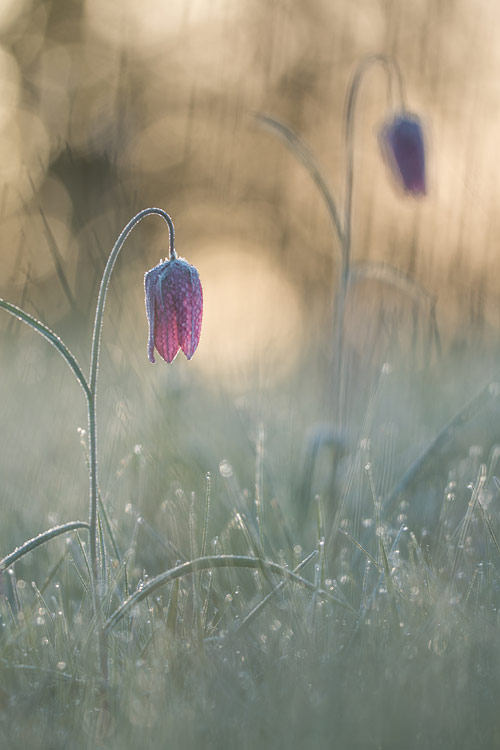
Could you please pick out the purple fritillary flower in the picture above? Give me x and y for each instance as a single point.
(174, 306)
(402, 143)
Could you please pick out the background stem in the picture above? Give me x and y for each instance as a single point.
(390, 67)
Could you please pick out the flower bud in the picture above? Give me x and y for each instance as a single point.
(402, 143)
(174, 306)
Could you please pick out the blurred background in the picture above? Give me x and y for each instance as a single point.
(109, 106)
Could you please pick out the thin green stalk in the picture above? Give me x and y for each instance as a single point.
(92, 417)
(46, 536)
(345, 240)
(250, 617)
(90, 390)
(94, 364)
(52, 338)
(215, 561)
(304, 155)
(442, 437)
(343, 229)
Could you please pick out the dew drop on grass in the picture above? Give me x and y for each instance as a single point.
(225, 469)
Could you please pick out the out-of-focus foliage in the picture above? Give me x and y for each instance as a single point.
(110, 106)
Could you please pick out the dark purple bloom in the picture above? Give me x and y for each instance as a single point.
(174, 306)
(402, 142)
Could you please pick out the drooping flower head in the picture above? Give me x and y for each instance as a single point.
(174, 306)
(402, 143)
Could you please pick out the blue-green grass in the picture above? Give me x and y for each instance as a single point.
(393, 643)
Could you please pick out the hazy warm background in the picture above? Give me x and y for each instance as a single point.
(109, 106)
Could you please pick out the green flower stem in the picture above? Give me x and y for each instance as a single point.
(342, 227)
(97, 574)
(94, 368)
(90, 389)
(345, 238)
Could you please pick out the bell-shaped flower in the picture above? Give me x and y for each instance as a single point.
(402, 144)
(174, 306)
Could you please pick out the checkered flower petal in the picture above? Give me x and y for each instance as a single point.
(174, 306)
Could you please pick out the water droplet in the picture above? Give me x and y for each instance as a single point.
(225, 469)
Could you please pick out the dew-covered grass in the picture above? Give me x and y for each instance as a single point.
(386, 637)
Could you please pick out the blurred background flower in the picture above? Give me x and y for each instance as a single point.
(402, 143)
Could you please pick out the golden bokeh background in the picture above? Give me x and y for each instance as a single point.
(108, 106)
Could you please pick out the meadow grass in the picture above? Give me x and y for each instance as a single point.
(393, 643)
(251, 575)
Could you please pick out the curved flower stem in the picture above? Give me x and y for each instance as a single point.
(103, 289)
(342, 227)
(390, 67)
(89, 388)
(94, 369)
